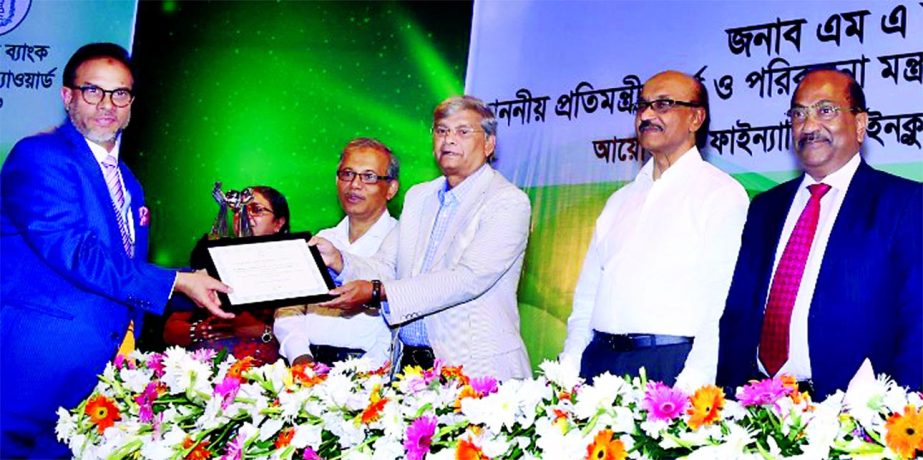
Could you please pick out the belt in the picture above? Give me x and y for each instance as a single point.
(328, 354)
(628, 342)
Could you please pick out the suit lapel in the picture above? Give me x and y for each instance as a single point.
(425, 225)
(462, 217)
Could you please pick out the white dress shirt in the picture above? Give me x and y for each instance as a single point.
(100, 153)
(661, 261)
(325, 326)
(799, 361)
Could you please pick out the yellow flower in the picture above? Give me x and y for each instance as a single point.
(905, 432)
(707, 403)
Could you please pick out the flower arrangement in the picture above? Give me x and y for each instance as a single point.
(203, 405)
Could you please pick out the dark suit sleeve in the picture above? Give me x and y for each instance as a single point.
(908, 257)
(46, 191)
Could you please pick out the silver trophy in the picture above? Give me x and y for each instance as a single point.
(237, 202)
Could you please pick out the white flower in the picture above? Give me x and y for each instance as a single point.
(554, 444)
(165, 448)
(307, 435)
(388, 449)
(564, 375)
(593, 399)
(183, 373)
(66, 426)
(269, 428)
(136, 379)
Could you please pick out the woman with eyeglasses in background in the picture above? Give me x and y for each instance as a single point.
(250, 332)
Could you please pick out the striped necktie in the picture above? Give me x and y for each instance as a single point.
(116, 192)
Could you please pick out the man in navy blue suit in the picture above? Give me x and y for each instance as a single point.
(73, 234)
(829, 270)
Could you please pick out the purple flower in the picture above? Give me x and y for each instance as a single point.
(433, 373)
(227, 390)
(484, 385)
(155, 362)
(309, 454)
(145, 402)
(763, 393)
(204, 355)
(663, 403)
(235, 449)
(419, 436)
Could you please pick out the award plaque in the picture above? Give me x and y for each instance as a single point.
(269, 271)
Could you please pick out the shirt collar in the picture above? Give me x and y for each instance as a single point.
(839, 179)
(686, 162)
(100, 153)
(458, 192)
(376, 228)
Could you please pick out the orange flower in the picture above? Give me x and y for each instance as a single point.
(466, 392)
(238, 368)
(373, 412)
(285, 438)
(305, 375)
(905, 432)
(604, 447)
(200, 452)
(468, 451)
(450, 372)
(102, 412)
(707, 403)
(792, 384)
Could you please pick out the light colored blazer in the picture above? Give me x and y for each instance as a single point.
(468, 297)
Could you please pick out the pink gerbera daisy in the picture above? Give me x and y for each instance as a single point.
(419, 436)
(762, 393)
(663, 403)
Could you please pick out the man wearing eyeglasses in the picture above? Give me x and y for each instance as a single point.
(450, 269)
(655, 276)
(73, 234)
(366, 179)
(829, 272)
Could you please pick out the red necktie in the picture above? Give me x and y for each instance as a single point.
(777, 320)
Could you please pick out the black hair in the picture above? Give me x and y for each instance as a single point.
(279, 205)
(95, 51)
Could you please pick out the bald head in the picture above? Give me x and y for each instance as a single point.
(668, 130)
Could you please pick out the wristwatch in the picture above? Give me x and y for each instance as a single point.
(375, 302)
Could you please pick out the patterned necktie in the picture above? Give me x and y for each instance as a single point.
(776, 321)
(114, 183)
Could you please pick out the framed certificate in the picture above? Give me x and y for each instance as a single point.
(269, 271)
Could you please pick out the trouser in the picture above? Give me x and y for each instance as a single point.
(328, 355)
(662, 356)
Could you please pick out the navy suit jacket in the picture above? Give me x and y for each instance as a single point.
(69, 289)
(867, 301)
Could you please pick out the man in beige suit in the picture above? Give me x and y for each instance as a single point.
(447, 275)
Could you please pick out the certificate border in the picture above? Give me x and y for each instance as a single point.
(226, 301)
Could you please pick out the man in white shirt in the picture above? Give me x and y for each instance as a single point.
(829, 272)
(450, 269)
(367, 178)
(655, 277)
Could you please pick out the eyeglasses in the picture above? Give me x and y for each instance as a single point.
(347, 175)
(822, 111)
(462, 132)
(255, 210)
(92, 94)
(661, 105)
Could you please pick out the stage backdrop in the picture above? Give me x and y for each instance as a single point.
(37, 39)
(562, 76)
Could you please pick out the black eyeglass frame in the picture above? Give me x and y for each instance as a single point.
(368, 178)
(111, 92)
(667, 105)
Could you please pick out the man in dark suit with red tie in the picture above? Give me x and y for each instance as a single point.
(829, 270)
